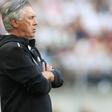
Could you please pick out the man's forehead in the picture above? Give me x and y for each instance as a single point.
(29, 11)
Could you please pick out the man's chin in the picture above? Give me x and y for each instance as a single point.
(31, 36)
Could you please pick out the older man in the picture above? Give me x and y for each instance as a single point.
(26, 79)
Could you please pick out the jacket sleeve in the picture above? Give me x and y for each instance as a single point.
(58, 79)
(20, 67)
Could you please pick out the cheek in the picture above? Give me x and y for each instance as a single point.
(26, 26)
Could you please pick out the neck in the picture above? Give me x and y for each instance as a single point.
(18, 34)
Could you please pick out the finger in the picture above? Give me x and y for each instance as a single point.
(50, 68)
(43, 66)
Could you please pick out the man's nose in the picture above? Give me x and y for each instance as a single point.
(35, 22)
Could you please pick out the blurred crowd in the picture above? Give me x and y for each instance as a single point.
(76, 36)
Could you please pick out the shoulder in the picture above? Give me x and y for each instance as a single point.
(11, 47)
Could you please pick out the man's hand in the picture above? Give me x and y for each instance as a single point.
(48, 75)
(47, 67)
(47, 72)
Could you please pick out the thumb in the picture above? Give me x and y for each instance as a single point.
(43, 66)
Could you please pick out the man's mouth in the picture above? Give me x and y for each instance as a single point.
(34, 30)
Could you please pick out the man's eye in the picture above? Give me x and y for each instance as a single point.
(31, 17)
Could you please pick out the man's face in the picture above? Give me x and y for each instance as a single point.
(27, 23)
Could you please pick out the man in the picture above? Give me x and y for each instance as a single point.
(26, 79)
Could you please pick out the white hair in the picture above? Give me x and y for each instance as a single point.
(12, 9)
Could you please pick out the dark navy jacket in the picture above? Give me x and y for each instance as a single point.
(23, 88)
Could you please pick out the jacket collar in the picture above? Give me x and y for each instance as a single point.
(22, 40)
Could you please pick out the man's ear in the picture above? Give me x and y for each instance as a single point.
(14, 23)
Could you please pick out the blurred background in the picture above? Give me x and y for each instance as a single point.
(76, 37)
